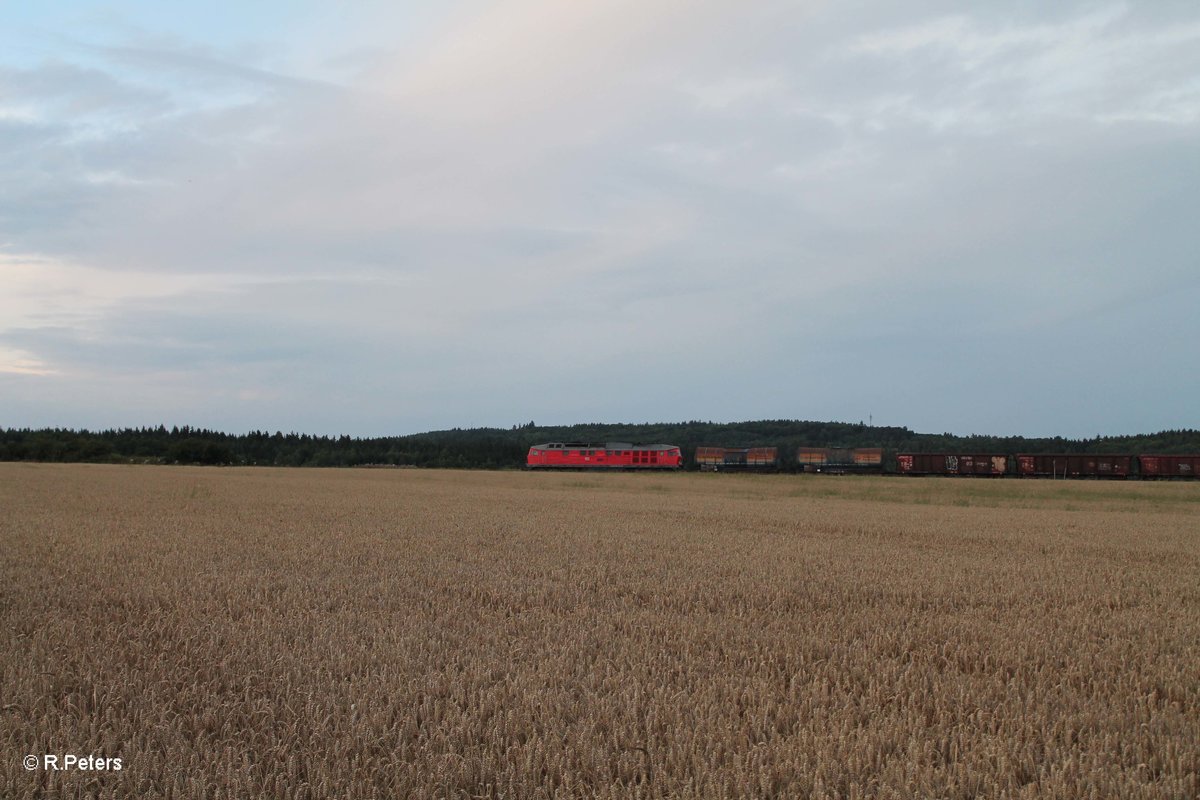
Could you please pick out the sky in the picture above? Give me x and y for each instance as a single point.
(377, 218)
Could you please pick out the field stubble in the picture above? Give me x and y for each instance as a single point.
(320, 633)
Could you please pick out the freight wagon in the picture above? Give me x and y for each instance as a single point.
(1062, 465)
(840, 460)
(612, 455)
(992, 465)
(743, 458)
(1169, 466)
(1085, 465)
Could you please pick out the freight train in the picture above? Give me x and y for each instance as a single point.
(627, 456)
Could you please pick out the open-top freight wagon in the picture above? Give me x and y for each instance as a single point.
(612, 455)
(1061, 465)
(991, 465)
(1074, 465)
(1169, 466)
(714, 459)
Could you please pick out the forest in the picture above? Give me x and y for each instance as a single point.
(505, 448)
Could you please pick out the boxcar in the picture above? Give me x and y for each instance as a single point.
(987, 465)
(868, 457)
(718, 458)
(612, 455)
(1169, 466)
(811, 459)
(840, 459)
(1073, 465)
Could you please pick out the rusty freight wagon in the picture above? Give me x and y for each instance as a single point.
(990, 465)
(1169, 466)
(840, 460)
(745, 458)
(1074, 465)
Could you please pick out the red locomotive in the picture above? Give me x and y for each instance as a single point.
(613, 455)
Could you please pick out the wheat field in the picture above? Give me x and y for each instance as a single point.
(244, 633)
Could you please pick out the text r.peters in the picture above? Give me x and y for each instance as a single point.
(72, 761)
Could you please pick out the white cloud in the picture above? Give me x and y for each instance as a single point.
(1100, 66)
(19, 362)
(731, 91)
(41, 291)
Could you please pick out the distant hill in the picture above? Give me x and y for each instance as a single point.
(499, 448)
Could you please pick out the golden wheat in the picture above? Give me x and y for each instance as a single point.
(234, 633)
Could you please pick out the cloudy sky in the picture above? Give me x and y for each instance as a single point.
(377, 217)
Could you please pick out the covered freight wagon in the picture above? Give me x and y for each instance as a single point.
(840, 459)
(991, 465)
(1073, 465)
(812, 457)
(718, 458)
(1169, 466)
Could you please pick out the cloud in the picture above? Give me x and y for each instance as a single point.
(40, 290)
(57, 89)
(1101, 66)
(20, 362)
(567, 203)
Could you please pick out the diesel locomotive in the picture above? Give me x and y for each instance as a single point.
(608, 456)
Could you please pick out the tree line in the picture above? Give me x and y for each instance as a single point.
(500, 448)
